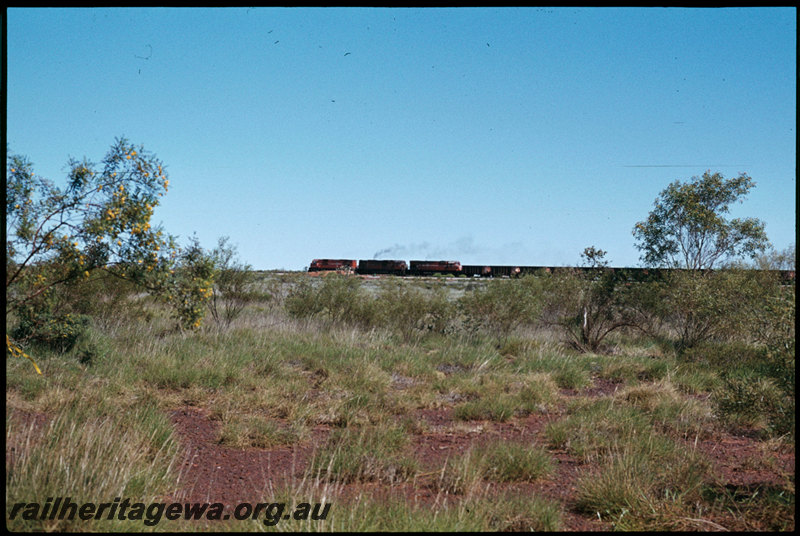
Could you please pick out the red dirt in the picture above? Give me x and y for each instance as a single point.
(211, 472)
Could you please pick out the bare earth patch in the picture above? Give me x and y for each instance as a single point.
(211, 472)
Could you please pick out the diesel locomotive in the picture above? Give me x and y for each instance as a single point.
(455, 268)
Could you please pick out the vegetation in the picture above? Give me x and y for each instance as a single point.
(687, 227)
(547, 402)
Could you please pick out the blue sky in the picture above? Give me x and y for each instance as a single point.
(497, 135)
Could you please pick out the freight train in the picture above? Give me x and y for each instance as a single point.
(455, 268)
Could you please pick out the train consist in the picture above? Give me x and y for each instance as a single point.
(455, 268)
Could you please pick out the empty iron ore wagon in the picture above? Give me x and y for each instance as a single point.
(434, 267)
(476, 270)
(505, 271)
(320, 265)
(374, 267)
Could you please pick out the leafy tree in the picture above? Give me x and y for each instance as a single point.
(687, 227)
(101, 220)
(588, 307)
(98, 223)
(594, 257)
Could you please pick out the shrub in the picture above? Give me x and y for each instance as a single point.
(750, 400)
(411, 311)
(335, 298)
(231, 284)
(57, 332)
(717, 306)
(586, 309)
(502, 306)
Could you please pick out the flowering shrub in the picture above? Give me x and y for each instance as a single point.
(100, 221)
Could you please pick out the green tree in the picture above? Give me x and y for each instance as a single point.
(588, 305)
(101, 220)
(190, 284)
(687, 227)
(57, 236)
(98, 223)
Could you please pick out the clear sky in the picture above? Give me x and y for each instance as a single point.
(496, 136)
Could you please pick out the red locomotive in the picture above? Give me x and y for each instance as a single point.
(319, 265)
(382, 267)
(434, 267)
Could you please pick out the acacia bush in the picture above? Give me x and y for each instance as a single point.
(334, 298)
(587, 308)
(411, 311)
(700, 306)
(57, 236)
(232, 282)
(502, 306)
(764, 387)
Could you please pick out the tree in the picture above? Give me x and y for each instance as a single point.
(594, 257)
(687, 228)
(777, 260)
(99, 222)
(585, 306)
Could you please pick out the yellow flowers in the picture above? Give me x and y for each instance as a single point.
(86, 274)
(16, 351)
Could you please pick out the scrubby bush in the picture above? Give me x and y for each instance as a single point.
(587, 308)
(502, 306)
(56, 332)
(231, 290)
(702, 306)
(410, 311)
(189, 285)
(761, 390)
(333, 298)
(755, 401)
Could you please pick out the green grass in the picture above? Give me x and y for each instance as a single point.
(271, 377)
(468, 474)
(373, 453)
(87, 455)
(640, 479)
